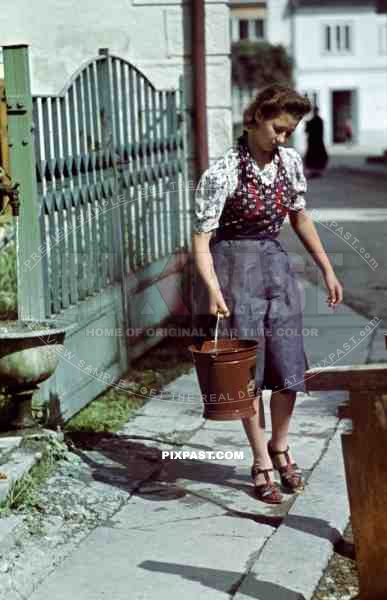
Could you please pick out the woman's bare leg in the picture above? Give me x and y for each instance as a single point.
(255, 431)
(281, 408)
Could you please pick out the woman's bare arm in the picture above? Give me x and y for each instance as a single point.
(304, 227)
(205, 267)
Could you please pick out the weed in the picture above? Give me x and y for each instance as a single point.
(23, 493)
(112, 409)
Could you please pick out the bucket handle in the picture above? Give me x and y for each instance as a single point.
(217, 328)
(218, 317)
(216, 335)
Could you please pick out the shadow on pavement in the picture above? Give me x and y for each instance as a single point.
(139, 469)
(224, 581)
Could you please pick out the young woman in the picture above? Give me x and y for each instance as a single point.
(241, 203)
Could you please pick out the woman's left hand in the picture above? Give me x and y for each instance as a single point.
(335, 289)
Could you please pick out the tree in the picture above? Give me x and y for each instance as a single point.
(256, 64)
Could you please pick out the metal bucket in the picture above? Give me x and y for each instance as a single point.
(226, 373)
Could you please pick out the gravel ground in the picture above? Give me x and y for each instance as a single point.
(67, 507)
(340, 580)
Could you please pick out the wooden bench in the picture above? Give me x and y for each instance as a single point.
(365, 460)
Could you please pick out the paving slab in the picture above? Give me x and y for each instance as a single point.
(149, 548)
(377, 350)
(7, 528)
(9, 443)
(192, 528)
(303, 544)
(190, 551)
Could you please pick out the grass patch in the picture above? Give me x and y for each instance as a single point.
(111, 410)
(23, 493)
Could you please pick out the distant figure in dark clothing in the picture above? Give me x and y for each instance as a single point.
(348, 130)
(316, 157)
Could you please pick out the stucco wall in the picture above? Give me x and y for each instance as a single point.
(152, 34)
(278, 26)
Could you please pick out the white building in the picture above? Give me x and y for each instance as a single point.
(340, 53)
(339, 48)
(248, 20)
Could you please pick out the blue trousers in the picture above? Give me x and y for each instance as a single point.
(264, 299)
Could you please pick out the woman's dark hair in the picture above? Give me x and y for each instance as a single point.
(273, 100)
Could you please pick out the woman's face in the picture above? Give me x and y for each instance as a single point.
(268, 134)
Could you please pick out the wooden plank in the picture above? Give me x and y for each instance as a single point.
(156, 193)
(141, 147)
(125, 166)
(100, 250)
(365, 460)
(135, 231)
(86, 207)
(185, 196)
(71, 242)
(44, 233)
(54, 261)
(62, 245)
(148, 162)
(344, 411)
(352, 377)
(104, 72)
(70, 211)
(164, 206)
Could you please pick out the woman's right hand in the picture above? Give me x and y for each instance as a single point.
(217, 304)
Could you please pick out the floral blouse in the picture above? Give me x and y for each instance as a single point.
(220, 182)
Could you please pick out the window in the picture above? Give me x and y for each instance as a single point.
(338, 38)
(383, 38)
(328, 44)
(347, 38)
(243, 29)
(259, 29)
(247, 29)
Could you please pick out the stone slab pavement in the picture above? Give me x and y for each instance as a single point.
(192, 529)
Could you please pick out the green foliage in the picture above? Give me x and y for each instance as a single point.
(23, 493)
(8, 285)
(256, 64)
(112, 409)
(108, 412)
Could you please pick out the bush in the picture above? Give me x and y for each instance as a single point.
(257, 64)
(8, 285)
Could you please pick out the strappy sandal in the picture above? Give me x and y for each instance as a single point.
(266, 492)
(290, 474)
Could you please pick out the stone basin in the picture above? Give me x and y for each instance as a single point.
(29, 354)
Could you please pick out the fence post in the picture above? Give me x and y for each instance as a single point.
(23, 171)
(4, 152)
(109, 142)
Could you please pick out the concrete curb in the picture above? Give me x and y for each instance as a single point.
(16, 462)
